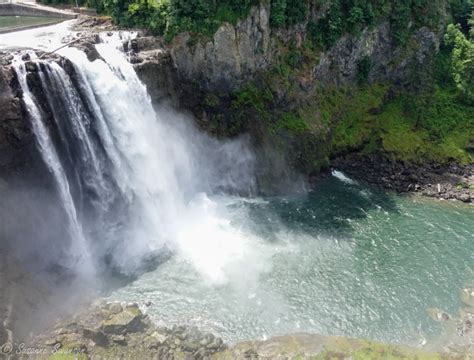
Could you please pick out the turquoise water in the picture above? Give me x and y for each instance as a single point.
(341, 260)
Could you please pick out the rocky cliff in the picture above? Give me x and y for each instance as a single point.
(252, 78)
(16, 140)
(238, 53)
(272, 83)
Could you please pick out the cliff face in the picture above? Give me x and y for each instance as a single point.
(252, 78)
(15, 134)
(236, 53)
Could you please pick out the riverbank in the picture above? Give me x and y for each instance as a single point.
(443, 181)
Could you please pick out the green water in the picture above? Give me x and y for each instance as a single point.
(21, 21)
(341, 260)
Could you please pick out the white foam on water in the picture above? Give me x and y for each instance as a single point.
(342, 177)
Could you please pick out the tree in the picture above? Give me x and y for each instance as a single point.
(471, 26)
(277, 15)
(462, 61)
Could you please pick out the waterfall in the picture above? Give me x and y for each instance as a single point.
(51, 158)
(132, 180)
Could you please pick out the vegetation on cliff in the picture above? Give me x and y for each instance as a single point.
(430, 118)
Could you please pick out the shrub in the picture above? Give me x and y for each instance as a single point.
(277, 13)
(363, 69)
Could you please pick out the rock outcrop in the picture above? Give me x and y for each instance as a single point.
(237, 53)
(233, 55)
(124, 332)
(446, 182)
(17, 151)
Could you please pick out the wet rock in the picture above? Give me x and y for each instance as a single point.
(119, 339)
(129, 320)
(52, 341)
(156, 340)
(115, 308)
(90, 50)
(98, 337)
(31, 66)
(191, 345)
(93, 22)
(216, 344)
(467, 296)
(429, 179)
(438, 315)
(206, 340)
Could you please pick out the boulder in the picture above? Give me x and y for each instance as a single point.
(115, 308)
(467, 296)
(98, 337)
(127, 321)
(438, 315)
(119, 339)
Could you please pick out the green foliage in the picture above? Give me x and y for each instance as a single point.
(292, 122)
(296, 11)
(364, 121)
(400, 20)
(96, 4)
(471, 26)
(363, 69)
(277, 14)
(328, 29)
(287, 12)
(462, 61)
(352, 16)
(461, 11)
(250, 102)
(170, 17)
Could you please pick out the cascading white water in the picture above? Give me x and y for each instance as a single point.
(79, 250)
(134, 178)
